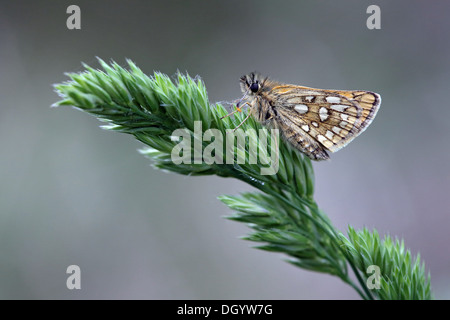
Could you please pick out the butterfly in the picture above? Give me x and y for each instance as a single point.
(313, 121)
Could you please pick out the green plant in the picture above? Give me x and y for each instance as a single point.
(283, 214)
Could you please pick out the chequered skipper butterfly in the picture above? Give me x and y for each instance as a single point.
(314, 121)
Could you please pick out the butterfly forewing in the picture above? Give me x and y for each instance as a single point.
(331, 117)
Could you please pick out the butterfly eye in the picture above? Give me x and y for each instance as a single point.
(254, 87)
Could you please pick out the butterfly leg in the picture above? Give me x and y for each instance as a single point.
(249, 114)
(238, 109)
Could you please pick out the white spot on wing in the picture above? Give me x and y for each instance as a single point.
(309, 98)
(336, 130)
(333, 99)
(315, 124)
(301, 108)
(344, 117)
(305, 127)
(329, 134)
(338, 107)
(343, 124)
(323, 114)
(321, 138)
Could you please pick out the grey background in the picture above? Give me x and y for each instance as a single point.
(71, 193)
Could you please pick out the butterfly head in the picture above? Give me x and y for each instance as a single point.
(252, 83)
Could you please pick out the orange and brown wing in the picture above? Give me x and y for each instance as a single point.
(331, 117)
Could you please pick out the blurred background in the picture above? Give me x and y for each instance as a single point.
(72, 193)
